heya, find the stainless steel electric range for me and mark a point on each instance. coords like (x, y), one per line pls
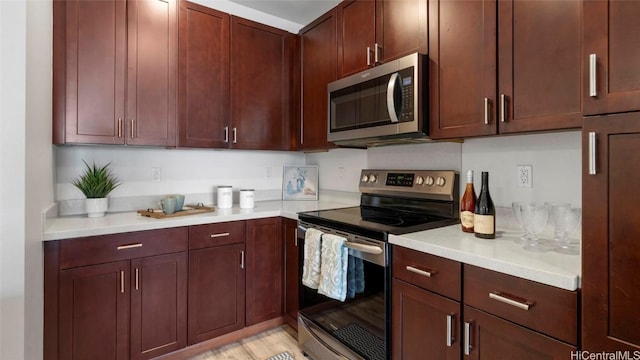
(392, 202)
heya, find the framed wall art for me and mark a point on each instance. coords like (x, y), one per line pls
(300, 182)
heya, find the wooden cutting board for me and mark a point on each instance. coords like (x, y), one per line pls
(186, 210)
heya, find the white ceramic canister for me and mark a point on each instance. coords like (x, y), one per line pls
(225, 197)
(247, 199)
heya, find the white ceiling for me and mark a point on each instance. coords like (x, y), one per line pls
(298, 11)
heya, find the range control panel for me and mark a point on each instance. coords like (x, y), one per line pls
(433, 184)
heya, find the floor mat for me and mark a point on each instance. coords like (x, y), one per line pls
(364, 342)
(282, 356)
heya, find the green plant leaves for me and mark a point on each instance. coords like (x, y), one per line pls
(96, 182)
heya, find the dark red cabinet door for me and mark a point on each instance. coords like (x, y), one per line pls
(356, 36)
(610, 233)
(491, 337)
(419, 324)
(539, 65)
(401, 28)
(203, 85)
(90, 46)
(260, 86)
(94, 312)
(158, 305)
(610, 38)
(319, 56)
(291, 276)
(264, 261)
(152, 73)
(463, 68)
(216, 292)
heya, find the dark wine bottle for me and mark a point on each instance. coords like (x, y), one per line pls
(468, 205)
(484, 217)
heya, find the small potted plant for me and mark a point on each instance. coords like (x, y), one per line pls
(96, 183)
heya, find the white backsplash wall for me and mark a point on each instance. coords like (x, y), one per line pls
(339, 169)
(556, 161)
(193, 172)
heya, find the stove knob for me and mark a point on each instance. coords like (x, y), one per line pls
(440, 181)
(373, 178)
(364, 179)
(419, 180)
(429, 180)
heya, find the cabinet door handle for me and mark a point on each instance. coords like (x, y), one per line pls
(503, 108)
(450, 337)
(119, 127)
(368, 56)
(486, 111)
(295, 242)
(593, 60)
(467, 338)
(137, 279)
(130, 246)
(235, 135)
(592, 153)
(242, 259)
(502, 298)
(219, 235)
(133, 123)
(226, 134)
(376, 53)
(427, 273)
(122, 281)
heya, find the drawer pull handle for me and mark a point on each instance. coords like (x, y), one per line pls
(427, 273)
(506, 300)
(130, 246)
(219, 235)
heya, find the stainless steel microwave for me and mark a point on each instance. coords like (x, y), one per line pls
(387, 103)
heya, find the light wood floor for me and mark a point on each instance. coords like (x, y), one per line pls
(258, 347)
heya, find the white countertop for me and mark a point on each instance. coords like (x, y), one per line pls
(112, 223)
(501, 254)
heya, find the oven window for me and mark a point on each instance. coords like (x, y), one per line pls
(358, 322)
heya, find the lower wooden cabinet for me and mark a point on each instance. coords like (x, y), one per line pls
(128, 308)
(264, 262)
(216, 291)
(291, 275)
(423, 320)
(491, 337)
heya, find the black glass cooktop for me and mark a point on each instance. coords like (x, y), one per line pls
(372, 220)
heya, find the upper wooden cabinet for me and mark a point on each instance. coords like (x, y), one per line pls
(203, 91)
(610, 250)
(372, 32)
(539, 66)
(611, 57)
(319, 55)
(115, 72)
(539, 71)
(260, 86)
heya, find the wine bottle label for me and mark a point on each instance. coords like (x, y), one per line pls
(483, 224)
(466, 218)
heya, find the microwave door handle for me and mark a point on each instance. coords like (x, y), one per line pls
(391, 105)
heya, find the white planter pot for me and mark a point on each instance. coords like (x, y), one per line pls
(96, 207)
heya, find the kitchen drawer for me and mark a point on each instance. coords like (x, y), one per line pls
(544, 308)
(428, 271)
(208, 235)
(107, 248)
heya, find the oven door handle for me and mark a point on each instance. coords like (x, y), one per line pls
(369, 249)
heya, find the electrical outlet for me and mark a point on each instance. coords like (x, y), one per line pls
(341, 172)
(155, 175)
(525, 176)
(268, 172)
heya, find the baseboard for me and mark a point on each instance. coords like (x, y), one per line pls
(225, 339)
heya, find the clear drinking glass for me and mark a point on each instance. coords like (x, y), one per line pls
(518, 209)
(535, 216)
(566, 221)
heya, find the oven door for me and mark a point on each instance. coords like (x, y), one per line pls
(357, 328)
